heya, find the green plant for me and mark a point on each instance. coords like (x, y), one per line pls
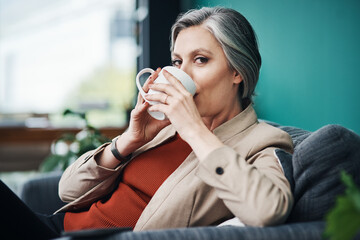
(343, 221)
(66, 149)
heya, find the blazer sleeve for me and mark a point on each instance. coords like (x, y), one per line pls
(85, 176)
(85, 181)
(254, 187)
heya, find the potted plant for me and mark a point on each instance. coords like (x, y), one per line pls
(66, 149)
(343, 221)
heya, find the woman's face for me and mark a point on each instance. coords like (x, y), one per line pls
(199, 54)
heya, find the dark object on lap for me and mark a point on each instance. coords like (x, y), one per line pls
(17, 221)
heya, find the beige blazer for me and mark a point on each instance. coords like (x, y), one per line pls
(242, 179)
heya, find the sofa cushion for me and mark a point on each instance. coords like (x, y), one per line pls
(285, 160)
(297, 134)
(41, 193)
(317, 162)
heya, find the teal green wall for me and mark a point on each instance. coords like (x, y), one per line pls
(310, 51)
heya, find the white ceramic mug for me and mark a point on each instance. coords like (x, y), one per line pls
(185, 79)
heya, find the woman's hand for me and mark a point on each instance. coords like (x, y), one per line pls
(178, 105)
(142, 127)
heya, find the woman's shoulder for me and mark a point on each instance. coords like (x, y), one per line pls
(262, 135)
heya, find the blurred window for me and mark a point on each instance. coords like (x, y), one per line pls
(59, 54)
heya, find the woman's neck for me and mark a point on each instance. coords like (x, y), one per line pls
(212, 122)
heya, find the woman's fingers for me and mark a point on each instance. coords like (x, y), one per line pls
(169, 89)
(141, 105)
(175, 88)
(158, 97)
(175, 82)
(158, 108)
(170, 96)
(151, 79)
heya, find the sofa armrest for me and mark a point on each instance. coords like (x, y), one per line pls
(41, 193)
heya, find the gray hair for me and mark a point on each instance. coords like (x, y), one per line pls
(236, 37)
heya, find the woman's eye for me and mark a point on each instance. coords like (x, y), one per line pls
(201, 60)
(176, 63)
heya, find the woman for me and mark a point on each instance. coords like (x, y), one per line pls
(209, 161)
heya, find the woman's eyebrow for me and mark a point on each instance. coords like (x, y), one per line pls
(175, 55)
(202, 50)
(194, 52)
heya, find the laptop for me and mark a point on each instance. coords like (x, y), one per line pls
(18, 221)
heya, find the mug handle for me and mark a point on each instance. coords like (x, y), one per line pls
(141, 90)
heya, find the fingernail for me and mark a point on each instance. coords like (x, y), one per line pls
(158, 69)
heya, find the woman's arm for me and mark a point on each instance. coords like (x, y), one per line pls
(85, 175)
(125, 146)
(98, 170)
(254, 189)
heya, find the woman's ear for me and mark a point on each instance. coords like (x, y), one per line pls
(237, 78)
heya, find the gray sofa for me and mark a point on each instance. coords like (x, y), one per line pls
(313, 172)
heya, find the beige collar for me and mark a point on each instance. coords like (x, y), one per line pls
(237, 124)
